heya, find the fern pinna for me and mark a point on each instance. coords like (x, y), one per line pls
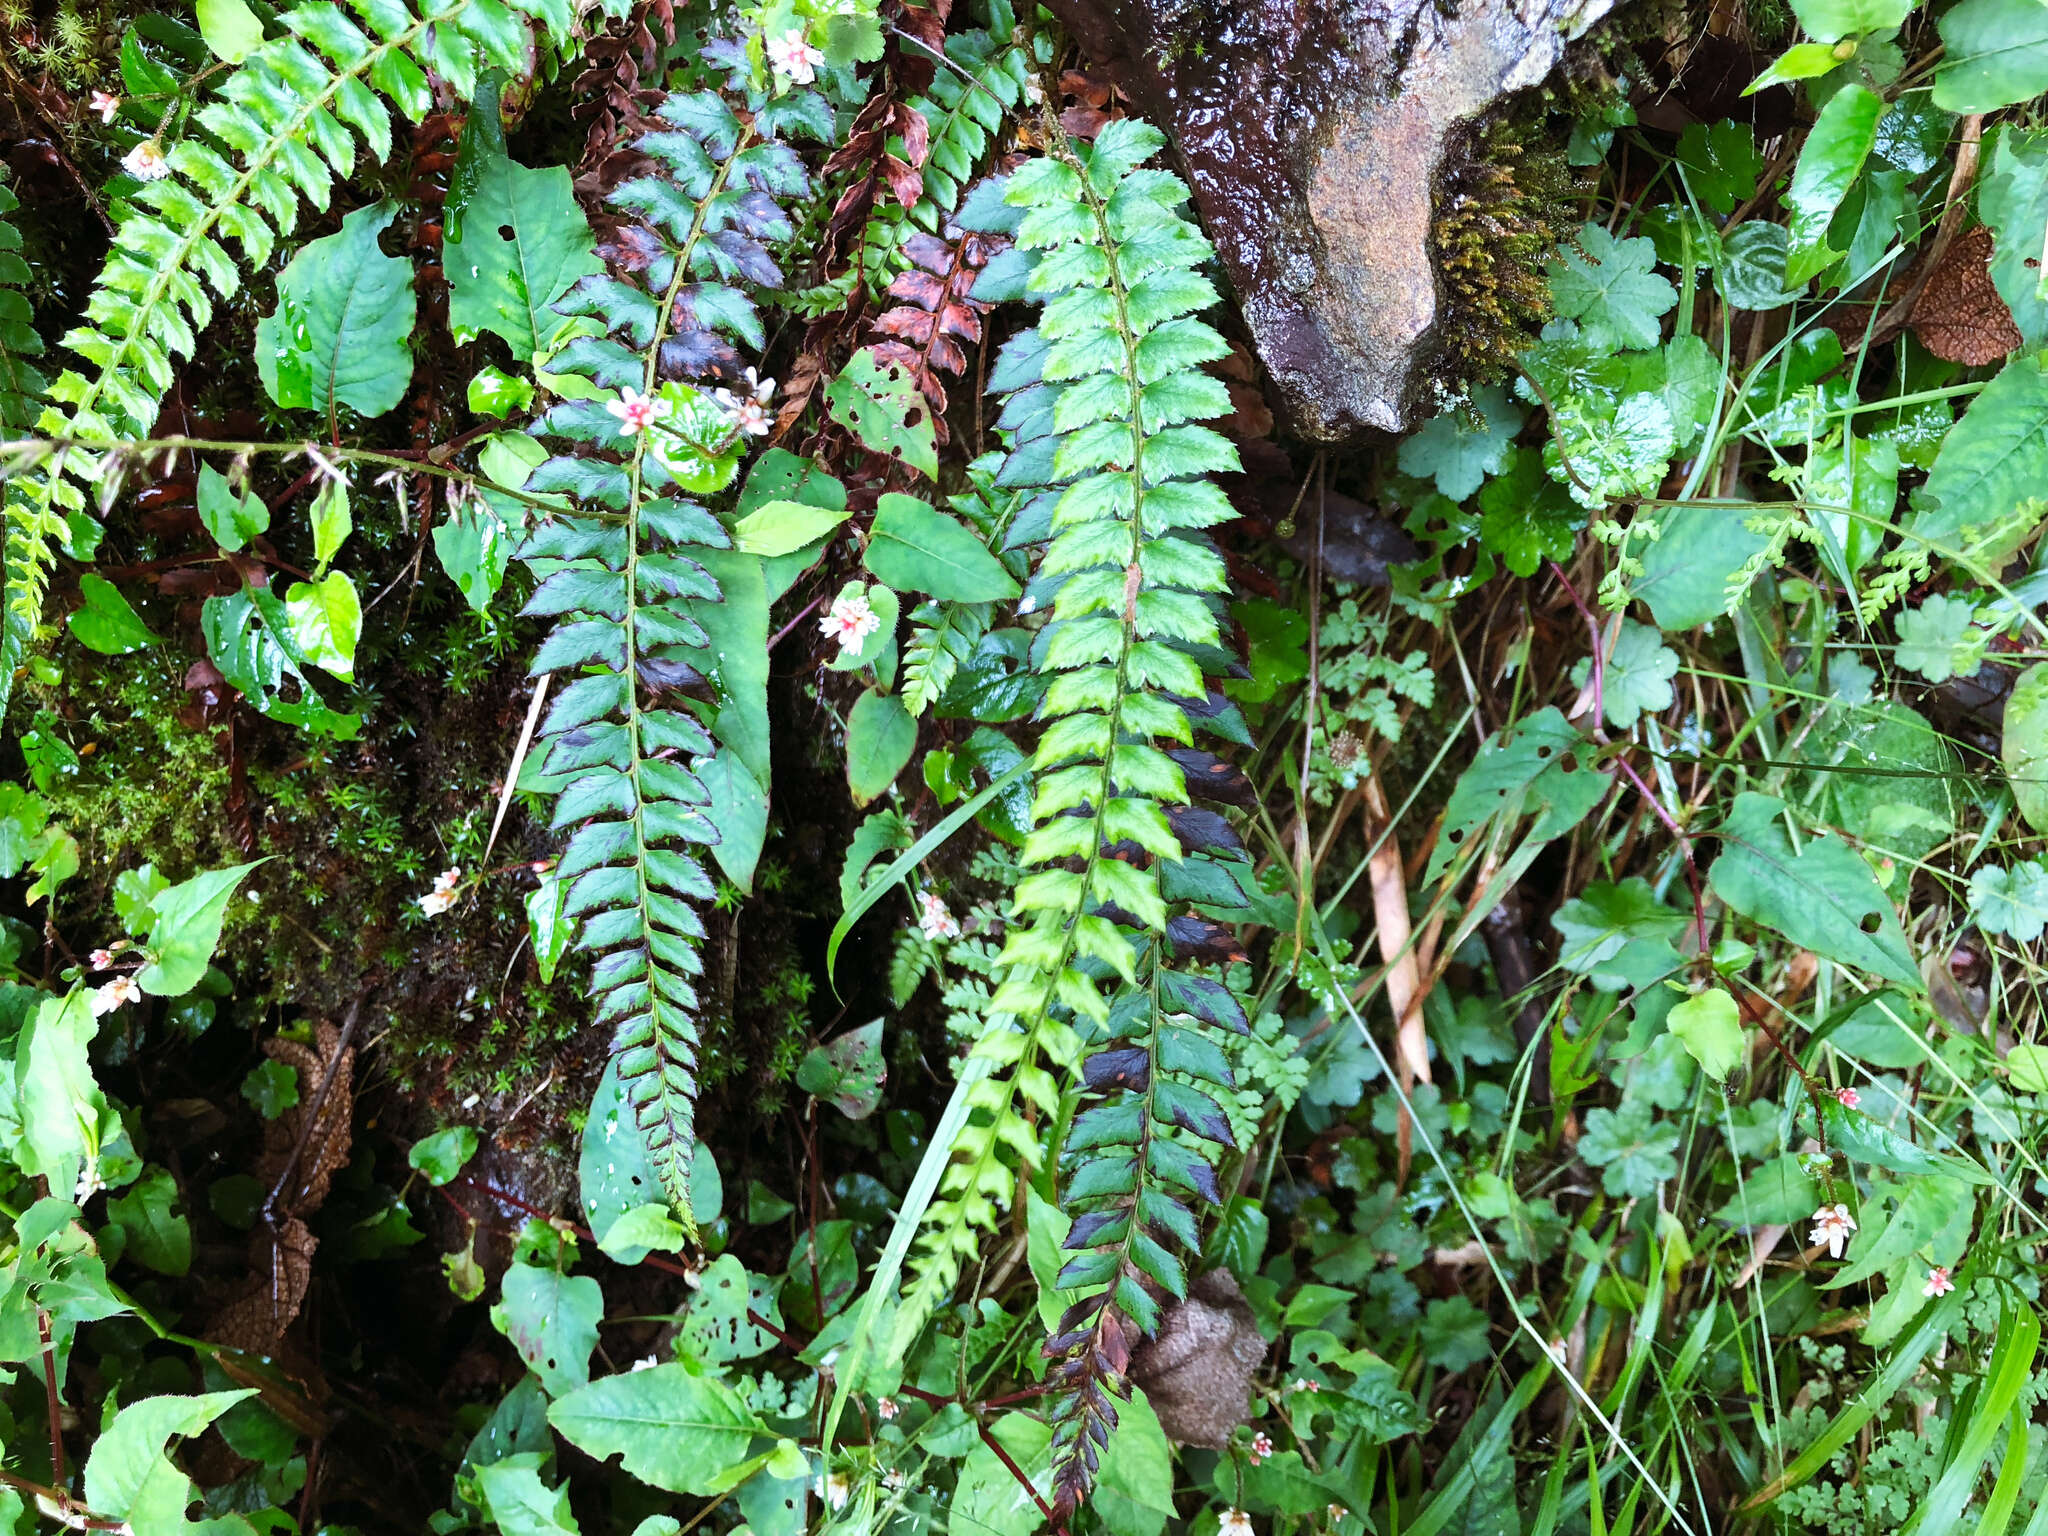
(281, 126)
(1105, 405)
(616, 572)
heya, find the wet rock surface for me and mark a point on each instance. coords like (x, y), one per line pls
(1312, 133)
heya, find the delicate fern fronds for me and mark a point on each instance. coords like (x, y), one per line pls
(942, 636)
(290, 114)
(617, 575)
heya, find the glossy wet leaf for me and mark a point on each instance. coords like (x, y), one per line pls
(523, 244)
(1609, 286)
(232, 517)
(880, 403)
(327, 621)
(880, 736)
(1996, 55)
(551, 1319)
(915, 548)
(107, 623)
(1836, 147)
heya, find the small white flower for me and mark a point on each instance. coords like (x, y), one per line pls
(791, 54)
(1028, 606)
(748, 410)
(1234, 1522)
(850, 620)
(122, 989)
(1262, 1447)
(835, 1489)
(894, 1480)
(1335, 1512)
(636, 411)
(1832, 1225)
(1303, 1384)
(106, 105)
(1848, 1098)
(442, 896)
(89, 1183)
(934, 919)
(1938, 1282)
(647, 1363)
(146, 162)
(886, 1407)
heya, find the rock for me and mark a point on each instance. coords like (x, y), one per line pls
(1312, 132)
(1197, 1371)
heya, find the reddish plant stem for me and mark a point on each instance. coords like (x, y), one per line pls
(57, 1474)
(1017, 1472)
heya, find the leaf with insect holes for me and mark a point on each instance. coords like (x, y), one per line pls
(879, 403)
(849, 1071)
(1819, 893)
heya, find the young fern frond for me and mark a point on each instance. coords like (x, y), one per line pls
(290, 114)
(617, 574)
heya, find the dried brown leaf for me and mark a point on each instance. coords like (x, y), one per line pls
(1959, 316)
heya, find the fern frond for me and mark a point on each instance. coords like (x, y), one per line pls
(281, 127)
(1110, 384)
(21, 386)
(618, 575)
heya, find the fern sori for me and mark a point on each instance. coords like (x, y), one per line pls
(617, 574)
(282, 126)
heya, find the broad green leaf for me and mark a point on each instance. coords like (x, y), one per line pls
(331, 521)
(1992, 465)
(327, 621)
(1868, 1140)
(551, 1319)
(716, 1329)
(1720, 162)
(1134, 1495)
(523, 244)
(1710, 1026)
(107, 623)
(519, 1503)
(1607, 285)
(670, 1427)
(2013, 902)
(913, 548)
(1619, 934)
(739, 809)
(642, 1230)
(135, 893)
(1636, 679)
(988, 1499)
(614, 1172)
(1836, 147)
(58, 1104)
(2025, 750)
(738, 657)
(186, 930)
(494, 392)
(2028, 1065)
(1883, 773)
(1940, 639)
(474, 549)
(1925, 1211)
(158, 1235)
(129, 1478)
(880, 736)
(1820, 895)
(344, 315)
(1851, 490)
(849, 1071)
(230, 28)
(1464, 445)
(880, 404)
(442, 1155)
(1540, 767)
(2013, 200)
(1802, 61)
(1995, 55)
(232, 517)
(1829, 21)
(780, 527)
(1779, 1193)
(547, 927)
(1752, 267)
(1687, 570)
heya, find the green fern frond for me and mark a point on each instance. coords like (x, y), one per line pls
(21, 387)
(617, 573)
(282, 126)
